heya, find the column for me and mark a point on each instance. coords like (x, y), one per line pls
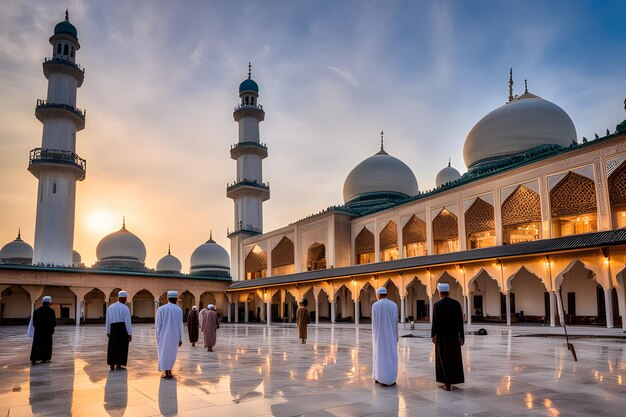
(356, 311)
(230, 316)
(245, 313)
(469, 310)
(559, 304)
(552, 317)
(402, 309)
(262, 312)
(430, 308)
(317, 311)
(609, 308)
(236, 304)
(332, 311)
(289, 311)
(156, 307)
(130, 306)
(78, 311)
(32, 308)
(508, 308)
(269, 313)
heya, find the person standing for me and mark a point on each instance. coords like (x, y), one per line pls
(169, 333)
(448, 336)
(43, 322)
(119, 331)
(210, 324)
(385, 339)
(302, 319)
(192, 325)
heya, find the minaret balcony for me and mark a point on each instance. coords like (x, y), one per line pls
(44, 110)
(42, 158)
(248, 148)
(247, 188)
(60, 65)
(247, 110)
(245, 230)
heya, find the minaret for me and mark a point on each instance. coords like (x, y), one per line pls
(56, 164)
(248, 191)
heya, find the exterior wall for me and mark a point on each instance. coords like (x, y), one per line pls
(143, 306)
(580, 281)
(341, 247)
(249, 130)
(62, 89)
(59, 133)
(529, 294)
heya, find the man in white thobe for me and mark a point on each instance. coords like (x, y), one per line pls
(169, 333)
(385, 339)
(119, 331)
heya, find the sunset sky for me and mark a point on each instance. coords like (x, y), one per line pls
(162, 79)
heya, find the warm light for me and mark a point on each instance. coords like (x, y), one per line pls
(529, 401)
(102, 222)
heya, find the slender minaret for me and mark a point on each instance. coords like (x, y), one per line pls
(55, 164)
(248, 191)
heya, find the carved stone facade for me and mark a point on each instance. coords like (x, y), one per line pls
(364, 242)
(479, 217)
(445, 226)
(617, 186)
(522, 206)
(414, 231)
(283, 253)
(574, 194)
(256, 260)
(389, 236)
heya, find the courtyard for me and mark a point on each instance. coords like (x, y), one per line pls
(257, 370)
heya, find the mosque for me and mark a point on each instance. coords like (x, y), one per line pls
(532, 232)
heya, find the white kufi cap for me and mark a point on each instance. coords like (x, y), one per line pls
(122, 294)
(210, 306)
(443, 287)
(46, 299)
(381, 290)
(172, 294)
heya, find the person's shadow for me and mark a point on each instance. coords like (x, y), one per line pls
(40, 382)
(168, 398)
(116, 393)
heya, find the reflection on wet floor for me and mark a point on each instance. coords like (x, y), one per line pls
(257, 371)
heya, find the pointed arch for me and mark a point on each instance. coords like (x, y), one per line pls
(486, 296)
(389, 242)
(256, 263)
(521, 216)
(283, 257)
(480, 225)
(316, 257)
(143, 304)
(617, 196)
(414, 238)
(573, 205)
(582, 294)
(446, 232)
(364, 247)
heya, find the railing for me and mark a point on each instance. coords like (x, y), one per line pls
(64, 62)
(43, 104)
(256, 184)
(243, 229)
(56, 156)
(258, 107)
(254, 144)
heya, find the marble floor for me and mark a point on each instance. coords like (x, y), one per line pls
(260, 371)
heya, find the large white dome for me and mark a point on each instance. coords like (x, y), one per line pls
(121, 246)
(77, 260)
(379, 173)
(169, 263)
(210, 259)
(446, 175)
(17, 252)
(522, 124)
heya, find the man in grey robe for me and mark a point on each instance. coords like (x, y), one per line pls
(210, 325)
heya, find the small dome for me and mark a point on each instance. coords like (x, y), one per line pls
(77, 260)
(380, 173)
(66, 27)
(210, 259)
(515, 127)
(121, 249)
(169, 263)
(249, 85)
(446, 175)
(17, 252)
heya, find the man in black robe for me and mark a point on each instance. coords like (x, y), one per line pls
(448, 337)
(193, 325)
(43, 322)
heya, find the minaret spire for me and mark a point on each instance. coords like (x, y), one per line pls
(169, 248)
(249, 70)
(510, 84)
(382, 140)
(449, 161)
(67, 15)
(19, 234)
(525, 86)
(124, 222)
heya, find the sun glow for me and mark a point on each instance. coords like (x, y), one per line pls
(102, 222)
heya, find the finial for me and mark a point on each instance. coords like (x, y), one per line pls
(19, 234)
(211, 234)
(67, 15)
(123, 222)
(382, 141)
(449, 161)
(169, 248)
(510, 84)
(249, 70)
(525, 86)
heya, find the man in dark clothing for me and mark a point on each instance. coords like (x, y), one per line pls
(448, 337)
(43, 323)
(193, 325)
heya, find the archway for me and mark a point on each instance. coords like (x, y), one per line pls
(95, 306)
(63, 303)
(530, 300)
(486, 297)
(573, 205)
(15, 308)
(393, 294)
(414, 238)
(187, 301)
(316, 257)
(142, 308)
(283, 257)
(480, 225)
(344, 304)
(445, 232)
(256, 263)
(583, 298)
(417, 301)
(521, 216)
(366, 299)
(389, 242)
(206, 298)
(456, 291)
(364, 247)
(324, 305)
(617, 196)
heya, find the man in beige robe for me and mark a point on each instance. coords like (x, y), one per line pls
(209, 327)
(303, 318)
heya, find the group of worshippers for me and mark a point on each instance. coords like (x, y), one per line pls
(208, 321)
(446, 332)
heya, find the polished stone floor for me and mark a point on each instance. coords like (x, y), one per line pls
(256, 371)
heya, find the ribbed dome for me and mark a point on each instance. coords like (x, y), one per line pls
(446, 175)
(121, 246)
(169, 263)
(17, 252)
(522, 124)
(379, 173)
(210, 259)
(77, 260)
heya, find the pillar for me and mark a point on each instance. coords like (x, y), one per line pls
(269, 313)
(230, 316)
(236, 304)
(32, 308)
(290, 312)
(559, 304)
(132, 310)
(508, 308)
(78, 310)
(156, 307)
(356, 311)
(317, 311)
(552, 312)
(262, 311)
(469, 310)
(332, 311)
(402, 309)
(430, 309)
(609, 308)
(245, 312)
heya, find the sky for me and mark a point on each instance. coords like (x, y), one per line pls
(162, 79)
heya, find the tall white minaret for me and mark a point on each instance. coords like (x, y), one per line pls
(248, 191)
(56, 164)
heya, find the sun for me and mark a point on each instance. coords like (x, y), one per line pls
(102, 221)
